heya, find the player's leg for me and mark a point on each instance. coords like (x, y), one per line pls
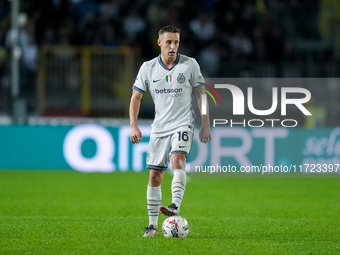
(179, 179)
(154, 199)
(177, 185)
(181, 143)
(157, 162)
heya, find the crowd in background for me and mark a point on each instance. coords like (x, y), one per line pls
(213, 31)
(229, 38)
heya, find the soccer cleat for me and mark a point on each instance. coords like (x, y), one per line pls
(169, 210)
(150, 231)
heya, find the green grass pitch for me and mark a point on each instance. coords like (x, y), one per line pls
(60, 212)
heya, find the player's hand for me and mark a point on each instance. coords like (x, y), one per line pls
(135, 135)
(204, 135)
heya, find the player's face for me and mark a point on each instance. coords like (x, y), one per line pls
(169, 43)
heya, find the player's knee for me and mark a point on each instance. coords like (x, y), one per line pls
(155, 178)
(178, 161)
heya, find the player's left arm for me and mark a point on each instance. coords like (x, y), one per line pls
(204, 134)
(135, 133)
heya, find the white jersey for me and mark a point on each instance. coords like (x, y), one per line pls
(171, 91)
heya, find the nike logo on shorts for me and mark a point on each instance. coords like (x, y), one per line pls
(182, 146)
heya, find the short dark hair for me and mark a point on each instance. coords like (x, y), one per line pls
(170, 29)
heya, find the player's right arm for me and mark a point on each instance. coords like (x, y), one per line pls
(135, 133)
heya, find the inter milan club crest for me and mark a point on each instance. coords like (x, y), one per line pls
(181, 78)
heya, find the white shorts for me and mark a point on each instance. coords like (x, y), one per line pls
(161, 148)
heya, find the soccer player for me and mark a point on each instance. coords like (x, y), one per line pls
(170, 78)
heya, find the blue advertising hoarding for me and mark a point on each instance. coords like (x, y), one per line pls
(95, 148)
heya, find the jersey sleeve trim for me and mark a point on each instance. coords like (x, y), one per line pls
(138, 89)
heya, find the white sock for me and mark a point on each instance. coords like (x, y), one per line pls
(178, 187)
(154, 199)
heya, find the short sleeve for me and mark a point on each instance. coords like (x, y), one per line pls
(141, 82)
(197, 78)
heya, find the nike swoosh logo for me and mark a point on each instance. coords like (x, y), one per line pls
(182, 146)
(156, 80)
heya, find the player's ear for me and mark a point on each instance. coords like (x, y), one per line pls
(159, 42)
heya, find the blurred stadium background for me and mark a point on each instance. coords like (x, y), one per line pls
(79, 58)
(66, 72)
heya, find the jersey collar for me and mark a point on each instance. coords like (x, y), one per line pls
(161, 63)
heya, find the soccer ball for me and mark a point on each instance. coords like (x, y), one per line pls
(175, 226)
